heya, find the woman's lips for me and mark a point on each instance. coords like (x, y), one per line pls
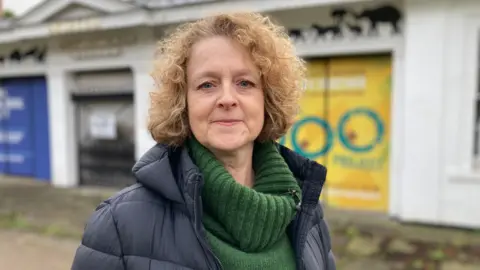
(227, 122)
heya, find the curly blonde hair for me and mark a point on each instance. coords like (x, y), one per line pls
(283, 73)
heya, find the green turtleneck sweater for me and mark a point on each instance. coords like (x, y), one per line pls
(246, 227)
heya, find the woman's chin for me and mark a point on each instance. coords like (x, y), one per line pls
(228, 143)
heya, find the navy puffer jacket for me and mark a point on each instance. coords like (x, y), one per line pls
(156, 224)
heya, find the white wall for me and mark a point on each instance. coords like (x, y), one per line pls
(439, 84)
(460, 188)
(61, 65)
(143, 86)
(63, 150)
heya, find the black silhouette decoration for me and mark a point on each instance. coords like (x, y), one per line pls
(296, 34)
(355, 29)
(384, 14)
(339, 14)
(17, 55)
(322, 31)
(37, 53)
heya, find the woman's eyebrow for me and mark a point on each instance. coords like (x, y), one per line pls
(212, 73)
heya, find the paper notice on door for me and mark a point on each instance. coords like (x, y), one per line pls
(103, 125)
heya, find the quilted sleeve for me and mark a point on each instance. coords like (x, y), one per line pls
(100, 248)
(331, 264)
(324, 238)
(325, 232)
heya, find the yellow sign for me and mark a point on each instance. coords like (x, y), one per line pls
(344, 124)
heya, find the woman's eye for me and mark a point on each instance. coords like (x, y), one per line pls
(245, 84)
(206, 85)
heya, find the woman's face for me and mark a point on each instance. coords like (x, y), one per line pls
(225, 98)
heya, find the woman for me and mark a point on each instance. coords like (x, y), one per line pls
(217, 192)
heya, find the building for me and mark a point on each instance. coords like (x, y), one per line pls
(391, 105)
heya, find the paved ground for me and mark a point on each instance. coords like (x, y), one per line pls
(29, 251)
(40, 229)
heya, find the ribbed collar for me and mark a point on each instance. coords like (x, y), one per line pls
(251, 219)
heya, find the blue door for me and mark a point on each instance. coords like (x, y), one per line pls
(24, 137)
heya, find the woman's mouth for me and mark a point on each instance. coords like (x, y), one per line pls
(227, 122)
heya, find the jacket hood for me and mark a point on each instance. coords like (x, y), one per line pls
(166, 171)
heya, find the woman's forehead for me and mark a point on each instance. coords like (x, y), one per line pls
(218, 55)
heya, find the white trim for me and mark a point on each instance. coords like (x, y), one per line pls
(143, 85)
(99, 65)
(22, 71)
(348, 47)
(397, 141)
(44, 10)
(107, 5)
(193, 12)
(137, 17)
(63, 138)
(471, 56)
(462, 176)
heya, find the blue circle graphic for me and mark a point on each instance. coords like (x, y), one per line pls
(362, 148)
(319, 122)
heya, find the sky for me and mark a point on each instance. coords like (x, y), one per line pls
(19, 6)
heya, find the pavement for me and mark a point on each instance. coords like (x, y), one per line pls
(31, 251)
(41, 226)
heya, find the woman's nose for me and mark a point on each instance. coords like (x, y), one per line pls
(227, 97)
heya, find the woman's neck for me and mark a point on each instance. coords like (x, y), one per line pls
(239, 165)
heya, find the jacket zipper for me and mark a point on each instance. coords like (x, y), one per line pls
(296, 199)
(299, 224)
(202, 239)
